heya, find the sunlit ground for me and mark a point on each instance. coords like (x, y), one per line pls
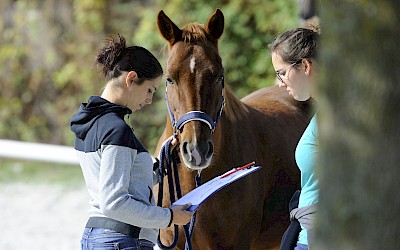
(42, 205)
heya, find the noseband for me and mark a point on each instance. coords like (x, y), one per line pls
(193, 116)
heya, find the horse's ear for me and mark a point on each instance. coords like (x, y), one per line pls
(168, 29)
(215, 25)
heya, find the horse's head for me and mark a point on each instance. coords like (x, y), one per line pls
(194, 85)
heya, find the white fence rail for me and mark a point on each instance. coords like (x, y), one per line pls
(37, 152)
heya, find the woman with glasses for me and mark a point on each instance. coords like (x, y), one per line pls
(294, 59)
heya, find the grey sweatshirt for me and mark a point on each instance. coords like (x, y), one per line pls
(117, 169)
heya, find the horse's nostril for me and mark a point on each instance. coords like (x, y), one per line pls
(184, 147)
(210, 149)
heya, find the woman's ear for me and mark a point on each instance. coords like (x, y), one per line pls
(131, 78)
(307, 66)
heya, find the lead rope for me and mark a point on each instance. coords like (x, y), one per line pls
(167, 170)
(189, 233)
(162, 172)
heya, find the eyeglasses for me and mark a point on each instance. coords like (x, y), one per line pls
(282, 72)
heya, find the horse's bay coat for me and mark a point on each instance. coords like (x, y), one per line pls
(264, 127)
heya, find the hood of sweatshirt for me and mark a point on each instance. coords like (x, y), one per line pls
(89, 112)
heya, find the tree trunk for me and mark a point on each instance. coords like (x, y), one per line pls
(359, 125)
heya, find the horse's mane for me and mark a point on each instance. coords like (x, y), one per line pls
(194, 32)
(234, 109)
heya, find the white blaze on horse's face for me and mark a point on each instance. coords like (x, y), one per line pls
(194, 157)
(192, 64)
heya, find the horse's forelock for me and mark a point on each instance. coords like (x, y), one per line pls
(193, 33)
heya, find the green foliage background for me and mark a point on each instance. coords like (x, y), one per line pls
(47, 51)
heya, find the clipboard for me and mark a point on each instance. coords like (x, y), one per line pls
(198, 195)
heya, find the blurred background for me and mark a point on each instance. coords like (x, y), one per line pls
(47, 51)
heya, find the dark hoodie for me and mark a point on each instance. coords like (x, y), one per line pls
(89, 112)
(105, 115)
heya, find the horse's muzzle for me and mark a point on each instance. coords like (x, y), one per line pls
(197, 156)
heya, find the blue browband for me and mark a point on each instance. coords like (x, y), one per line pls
(193, 116)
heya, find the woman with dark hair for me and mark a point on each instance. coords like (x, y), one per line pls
(294, 55)
(117, 169)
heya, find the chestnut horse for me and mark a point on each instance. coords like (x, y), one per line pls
(251, 213)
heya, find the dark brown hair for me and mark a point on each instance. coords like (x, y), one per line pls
(115, 57)
(295, 44)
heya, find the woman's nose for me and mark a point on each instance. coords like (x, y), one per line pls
(281, 84)
(149, 99)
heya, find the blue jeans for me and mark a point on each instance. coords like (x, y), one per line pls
(105, 239)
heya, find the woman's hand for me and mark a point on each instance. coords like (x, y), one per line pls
(180, 216)
(174, 143)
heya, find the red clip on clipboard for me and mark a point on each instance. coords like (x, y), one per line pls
(201, 193)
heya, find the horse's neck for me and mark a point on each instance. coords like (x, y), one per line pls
(229, 137)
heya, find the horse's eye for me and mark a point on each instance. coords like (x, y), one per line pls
(169, 80)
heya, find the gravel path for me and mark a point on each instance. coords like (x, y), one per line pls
(42, 216)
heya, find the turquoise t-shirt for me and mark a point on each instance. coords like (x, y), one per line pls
(306, 153)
